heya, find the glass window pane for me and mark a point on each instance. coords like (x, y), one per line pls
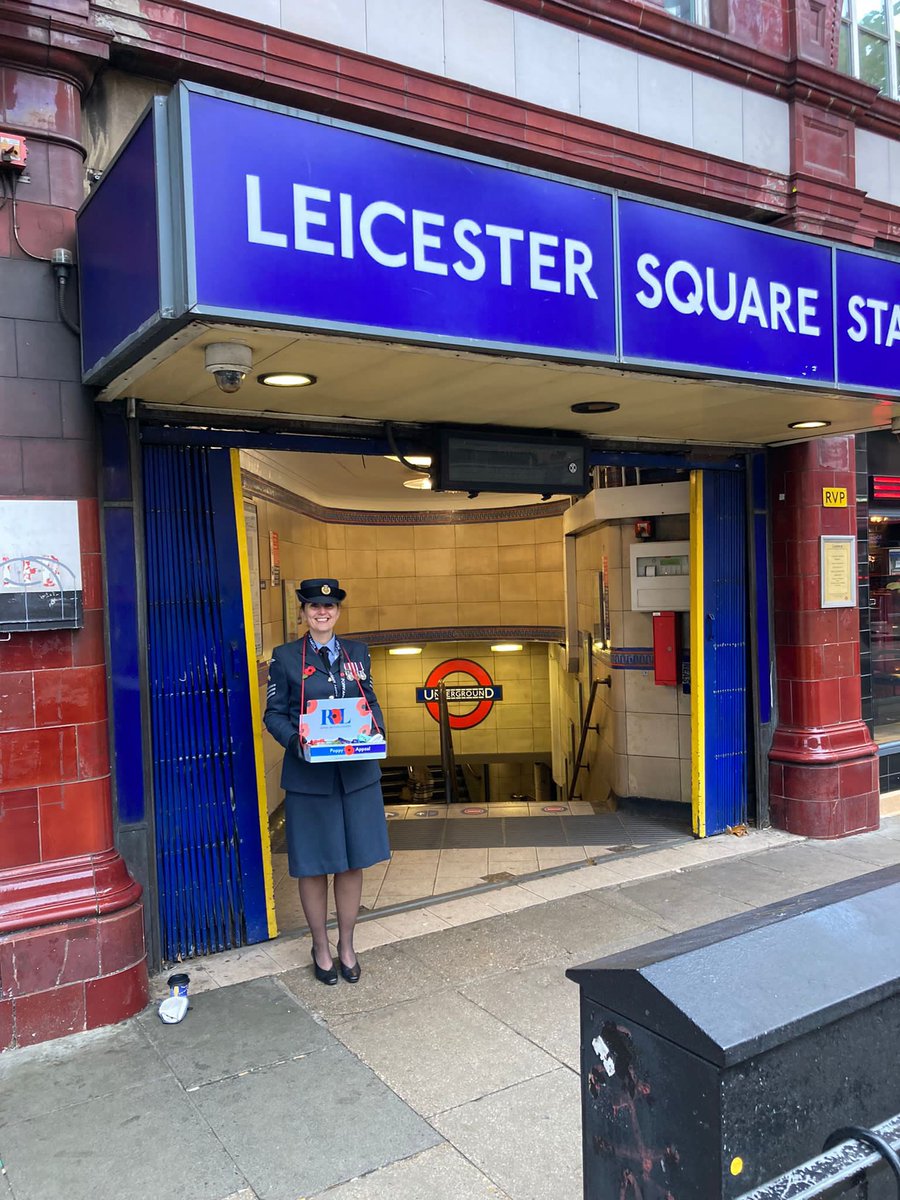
(844, 63)
(684, 9)
(896, 13)
(884, 622)
(845, 10)
(873, 61)
(871, 15)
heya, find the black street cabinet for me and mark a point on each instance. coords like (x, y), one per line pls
(715, 1060)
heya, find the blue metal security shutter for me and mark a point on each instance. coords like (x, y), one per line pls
(209, 849)
(725, 649)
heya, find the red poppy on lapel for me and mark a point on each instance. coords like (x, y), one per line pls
(307, 671)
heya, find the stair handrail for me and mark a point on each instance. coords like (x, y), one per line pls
(585, 727)
(448, 758)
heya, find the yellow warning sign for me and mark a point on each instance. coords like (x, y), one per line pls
(834, 497)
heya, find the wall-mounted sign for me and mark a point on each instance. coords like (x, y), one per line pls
(40, 566)
(483, 693)
(834, 497)
(337, 227)
(838, 571)
(274, 558)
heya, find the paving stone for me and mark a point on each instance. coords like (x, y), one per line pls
(232, 1029)
(390, 975)
(82, 1067)
(874, 848)
(746, 880)
(443, 1053)
(527, 1139)
(811, 865)
(482, 948)
(590, 925)
(303, 1126)
(678, 902)
(538, 1002)
(131, 1144)
(439, 1174)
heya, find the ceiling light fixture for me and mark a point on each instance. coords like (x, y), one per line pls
(808, 424)
(506, 647)
(285, 379)
(595, 406)
(405, 650)
(419, 484)
(415, 460)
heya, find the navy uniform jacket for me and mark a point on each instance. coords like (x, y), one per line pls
(282, 716)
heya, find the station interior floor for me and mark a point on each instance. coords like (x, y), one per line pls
(461, 849)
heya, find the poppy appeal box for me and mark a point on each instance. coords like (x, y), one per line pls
(339, 729)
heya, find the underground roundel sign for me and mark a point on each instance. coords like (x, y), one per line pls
(482, 692)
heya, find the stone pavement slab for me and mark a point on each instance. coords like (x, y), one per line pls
(233, 1029)
(748, 880)
(304, 1125)
(132, 1144)
(590, 924)
(527, 1139)
(678, 902)
(467, 952)
(86, 1068)
(537, 1002)
(443, 1053)
(438, 1174)
(878, 849)
(390, 976)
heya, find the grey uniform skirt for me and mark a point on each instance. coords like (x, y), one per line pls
(343, 831)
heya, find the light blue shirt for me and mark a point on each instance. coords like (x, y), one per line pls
(333, 647)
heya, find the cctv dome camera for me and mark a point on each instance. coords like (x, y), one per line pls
(228, 362)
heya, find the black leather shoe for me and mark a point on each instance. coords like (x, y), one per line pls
(351, 974)
(328, 976)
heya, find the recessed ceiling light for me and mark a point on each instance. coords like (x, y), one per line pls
(405, 650)
(285, 379)
(420, 483)
(595, 406)
(506, 647)
(808, 424)
(415, 460)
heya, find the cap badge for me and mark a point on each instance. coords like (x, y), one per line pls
(326, 589)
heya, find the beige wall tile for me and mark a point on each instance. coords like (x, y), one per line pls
(478, 613)
(518, 587)
(516, 533)
(548, 529)
(518, 741)
(436, 562)
(480, 740)
(432, 616)
(435, 589)
(394, 537)
(517, 558)
(360, 617)
(518, 613)
(335, 536)
(550, 612)
(644, 695)
(400, 669)
(476, 534)
(406, 720)
(474, 560)
(434, 537)
(477, 589)
(654, 778)
(651, 735)
(400, 744)
(548, 556)
(359, 537)
(514, 666)
(397, 616)
(514, 716)
(396, 564)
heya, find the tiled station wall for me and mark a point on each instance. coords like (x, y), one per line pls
(643, 748)
(414, 576)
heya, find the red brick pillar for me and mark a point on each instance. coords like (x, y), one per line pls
(72, 952)
(823, 765)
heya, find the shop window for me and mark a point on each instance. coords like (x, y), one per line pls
(869, 44)
(884, 621)
(695, 11)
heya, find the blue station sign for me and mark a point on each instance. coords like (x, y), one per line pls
(230, 209)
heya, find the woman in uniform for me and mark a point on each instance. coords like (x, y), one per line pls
(334, 811)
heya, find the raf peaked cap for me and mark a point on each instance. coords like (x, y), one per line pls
(320, 591)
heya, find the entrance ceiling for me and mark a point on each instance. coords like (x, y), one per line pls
(370, 380)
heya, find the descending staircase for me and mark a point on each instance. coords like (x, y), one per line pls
(398, 788)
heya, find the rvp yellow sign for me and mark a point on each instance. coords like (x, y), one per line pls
(834, 497)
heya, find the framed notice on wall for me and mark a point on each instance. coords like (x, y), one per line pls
(838, 570)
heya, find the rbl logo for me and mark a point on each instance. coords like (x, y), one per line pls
(334, 716)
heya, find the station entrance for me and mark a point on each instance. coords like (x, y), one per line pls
(580, 749)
